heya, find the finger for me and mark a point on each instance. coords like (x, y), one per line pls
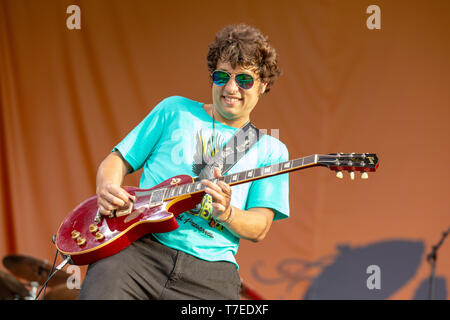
(105, 212)
(130, 197)
(111, 199)
(217, 196)
(217, 172)
(225, 187)
(120, 193)
(105, 209)
(105, 205)
(211, 185)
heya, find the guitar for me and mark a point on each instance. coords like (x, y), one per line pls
(87, 236)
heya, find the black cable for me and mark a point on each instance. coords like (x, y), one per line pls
(51, 271)
(59, 267)
(50, 275)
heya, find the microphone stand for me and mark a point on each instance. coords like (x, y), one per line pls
(431, 258)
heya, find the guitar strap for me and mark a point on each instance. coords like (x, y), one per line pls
(234, 150)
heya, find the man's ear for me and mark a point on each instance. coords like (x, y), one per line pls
(263, 88)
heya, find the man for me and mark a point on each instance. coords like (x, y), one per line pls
(197, 260)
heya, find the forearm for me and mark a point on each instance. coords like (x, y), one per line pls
(110, 176)
(250, 224)
(112, 170)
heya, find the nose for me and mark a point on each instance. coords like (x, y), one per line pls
(231, 86)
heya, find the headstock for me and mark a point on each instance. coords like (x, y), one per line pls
(351, 162)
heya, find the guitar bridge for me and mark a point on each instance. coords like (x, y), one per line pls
(124, 212)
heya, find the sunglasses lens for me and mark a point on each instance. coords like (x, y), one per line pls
(245, 81)
(220, 78)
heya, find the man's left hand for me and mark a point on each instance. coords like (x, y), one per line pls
(221, 194)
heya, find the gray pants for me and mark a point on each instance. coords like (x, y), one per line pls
(148, 269)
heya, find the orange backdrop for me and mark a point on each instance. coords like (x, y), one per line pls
(68, 96)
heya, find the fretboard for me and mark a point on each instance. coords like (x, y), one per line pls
(167, 193)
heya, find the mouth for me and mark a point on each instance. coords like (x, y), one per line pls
(231, 100)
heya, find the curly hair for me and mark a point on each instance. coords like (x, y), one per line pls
(245, 46)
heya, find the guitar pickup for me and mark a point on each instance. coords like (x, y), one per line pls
(156, 198)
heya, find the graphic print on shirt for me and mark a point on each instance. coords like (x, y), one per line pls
(205, 149)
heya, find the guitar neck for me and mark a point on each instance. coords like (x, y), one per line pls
(363, 162)
(271, 170)
(233, 179)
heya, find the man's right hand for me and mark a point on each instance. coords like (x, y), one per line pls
(111, 197)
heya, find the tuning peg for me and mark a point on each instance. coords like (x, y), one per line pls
(339, 175)
(352, 175)
(364, 175)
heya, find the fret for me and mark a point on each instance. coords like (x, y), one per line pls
(274, 168)
(198, 186)
(286, 165)
(181, 189)
(298, 162)
(309, 160)
(228, 179)
(279, 167)
(257, 172)
(242, 176)
(267, 170)
(189, 187)
(171, 192)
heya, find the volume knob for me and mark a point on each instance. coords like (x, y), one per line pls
(75, 234)
(81, 241)
(99, 236)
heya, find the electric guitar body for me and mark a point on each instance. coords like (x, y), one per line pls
(87, 237)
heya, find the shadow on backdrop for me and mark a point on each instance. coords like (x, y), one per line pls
(370, 272)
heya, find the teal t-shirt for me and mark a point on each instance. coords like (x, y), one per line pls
(173, 139)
